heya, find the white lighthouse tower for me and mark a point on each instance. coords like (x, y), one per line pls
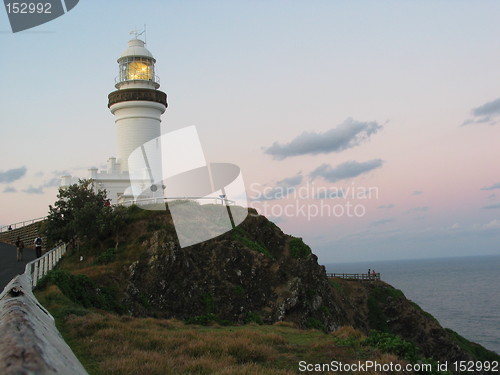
(137, 105)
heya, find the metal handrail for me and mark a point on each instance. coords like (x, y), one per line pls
(216, 200)
(39, 267)
(354, 276)
(5, 228)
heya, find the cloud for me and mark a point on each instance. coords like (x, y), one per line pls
(494, 224)
(12, 175)
(491, 206)
(10, 189)
(386, 206)
(33, 190)
(53, 182)
(282, 189)
(345, 170)
(485, 114)
(419, 209)
(330, 194)
(417, 192)
(349, 134)
(290, 181)
(492, 187)
(381, 221)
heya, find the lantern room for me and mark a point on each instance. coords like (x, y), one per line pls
(137, 67)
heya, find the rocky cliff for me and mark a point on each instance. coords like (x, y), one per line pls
(255, 272)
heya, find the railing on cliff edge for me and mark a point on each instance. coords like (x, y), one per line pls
(215, 200)
(354, 276)
(31, 343)
(20, 224)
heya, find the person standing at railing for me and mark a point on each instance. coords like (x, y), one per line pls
(38, 245)
(19, 248)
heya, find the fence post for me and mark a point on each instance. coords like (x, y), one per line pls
(35, 274)
(49, 265)
(41, 268)
(46, 265)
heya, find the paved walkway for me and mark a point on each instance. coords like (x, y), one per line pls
(9, 266)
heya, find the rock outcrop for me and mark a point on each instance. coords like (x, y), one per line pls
(255, 272)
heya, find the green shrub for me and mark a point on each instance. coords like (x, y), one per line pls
(208, 301)
(202, 320)
(298, 249)
(253, 317)
(376, 316)
(391, 343)
(106, 256)
(240, 235)
(239, 290)
(314, 323)
(82, 290)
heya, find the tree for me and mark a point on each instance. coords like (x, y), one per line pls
(81, 213)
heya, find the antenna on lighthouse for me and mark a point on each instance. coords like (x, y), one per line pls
(138, 32)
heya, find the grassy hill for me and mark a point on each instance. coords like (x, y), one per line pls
(252, 301)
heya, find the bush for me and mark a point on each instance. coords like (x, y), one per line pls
(314, 323)
(391, 343)
(253, 317)
(107, 256)
(298, 249)
(82, 290)
(240, 235)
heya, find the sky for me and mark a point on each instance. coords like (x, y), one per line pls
(369, 129)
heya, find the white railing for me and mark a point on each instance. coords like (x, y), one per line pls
(145, 201)
(33, 343)
(41, 266)
(20, 224)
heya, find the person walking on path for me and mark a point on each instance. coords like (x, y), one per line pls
(19, 248)
(38, 246)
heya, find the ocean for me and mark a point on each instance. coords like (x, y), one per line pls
(461, 293)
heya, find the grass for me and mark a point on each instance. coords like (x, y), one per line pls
(298, 249)
(111, 344)
(239, 234)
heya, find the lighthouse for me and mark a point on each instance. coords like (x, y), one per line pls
(137, 104)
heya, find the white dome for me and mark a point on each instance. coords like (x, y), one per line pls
(136, 48)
